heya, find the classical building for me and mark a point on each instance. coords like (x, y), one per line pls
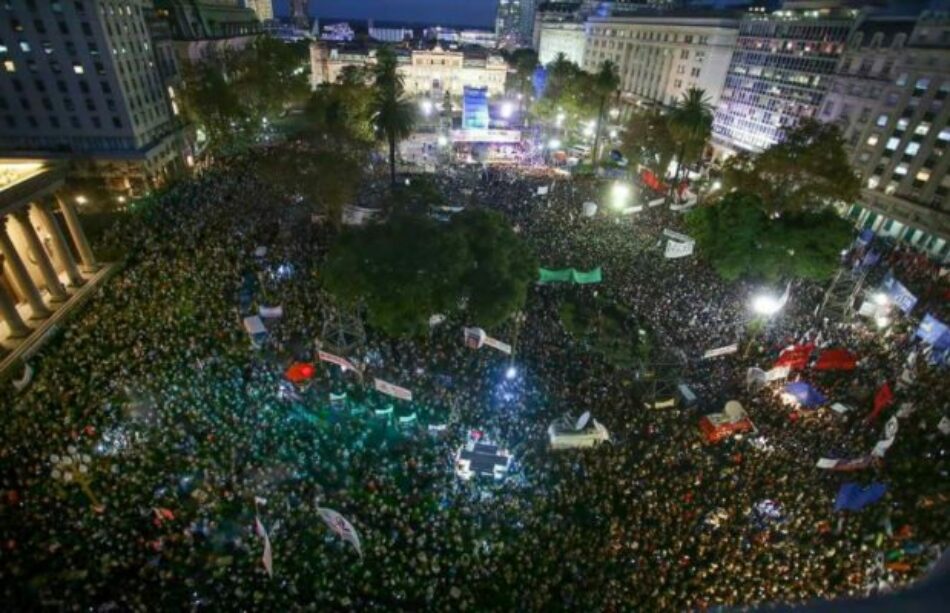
(891, 97)
(264, 9)
(45, 259)
(203, 27)
(780, 71)
(94, 82)
(660, 56)
(425, 71)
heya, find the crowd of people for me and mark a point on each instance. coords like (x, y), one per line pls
(155, 432)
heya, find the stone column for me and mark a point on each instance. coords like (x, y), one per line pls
(20, 275)
(78, 235)
(60, 246)
(56, 289)
(15, 323)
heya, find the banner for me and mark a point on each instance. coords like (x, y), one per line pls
(270, 312)
(805, 395)
(339, 361)
(682, 238)
(844, 465)
(392, 390)
(676, 249)
(899, 294)
(497, 344)
(408, 419)
(934, 332)
(473, 338)
(795, 357)
(853, 497)
(343, 528)
(567, 275)
(882, 398)
(836, 359)
(715, 353)
(268, 557)
(890, 433)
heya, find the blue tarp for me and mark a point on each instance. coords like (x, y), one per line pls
(899, 294)
(805, 394)
(853, 497)
(934, 332)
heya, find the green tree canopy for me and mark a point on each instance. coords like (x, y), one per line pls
(647, 140)
(809, 170)
(412, 267)
(605, 84)
(740, 239)
(569, 90)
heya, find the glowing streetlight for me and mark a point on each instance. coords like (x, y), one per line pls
(882, 322)
(613, 134)
(426, 106)
(619, 194)
(511, 373)
(614, 113)
(81, 199)
(442, 140)
(766, 305)
(559, 119)
(507, 110)
(554, 143)
(717, 185)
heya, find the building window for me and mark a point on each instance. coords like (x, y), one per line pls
(901, 170)
(892, 143)
(912, 149)
(9, 66)
(872, 140)
(922, 129)
(923, 175)
(78, 69)
(684, 54)
(24, 46)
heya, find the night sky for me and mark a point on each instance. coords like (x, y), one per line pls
(463, 12)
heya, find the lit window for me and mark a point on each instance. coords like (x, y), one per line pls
(882, 120)
(3, 48)
(912, 149)
(922, 84)
(922, 129)
(24, 46)
(78, 69)
(873, 182)
(891, 188)
(902, 123)
(923, 175)
(901, 170)
(9, 66)
(872, 140)
(944, 134)
(892, 143)
(902, 80)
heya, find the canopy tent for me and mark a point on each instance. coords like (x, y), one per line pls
(805, 395)
(836, 359)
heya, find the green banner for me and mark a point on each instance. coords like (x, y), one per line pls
(569, 275)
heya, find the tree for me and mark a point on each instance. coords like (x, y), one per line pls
(809, 170)
(268, 77)
(741, 240)
(568, 90)
(690, 125)
(605, 84)
(412, 267)
(210, 103)
(647, 140)
(524, 61)
(392, 114)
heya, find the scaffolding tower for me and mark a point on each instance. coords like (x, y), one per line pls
(842, 294)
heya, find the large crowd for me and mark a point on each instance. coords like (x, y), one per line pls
(154, 432)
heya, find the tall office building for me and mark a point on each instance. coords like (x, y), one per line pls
(203, 27)
(264, 9)
(780, 71)
(298, 14)
(93, 81)
(891, 97)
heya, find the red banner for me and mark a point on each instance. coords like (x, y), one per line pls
(836, 359)
(795, 357)
(882, 399)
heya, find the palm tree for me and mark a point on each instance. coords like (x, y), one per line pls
(690, 124)
(605, 83)
(392, 114)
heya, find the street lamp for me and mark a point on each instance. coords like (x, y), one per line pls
(619, 194)
(554, 143)
(442, 140)
(81, 199)
(426, 106)
(511, 373)
(766, 305)
(507, 109)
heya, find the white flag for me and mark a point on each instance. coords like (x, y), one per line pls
(21, 383)
(268, 557)
(779, 372)
(714, 353)
(890, 432)
(270, 312)
(392, 390)
(341, 527)
(339, 361)
(675, 249)
(677, 236)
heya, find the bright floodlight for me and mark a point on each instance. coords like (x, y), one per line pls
(511, 373)
(882, 322)
(619, 194)
(717, 185)
(426, 106)
(443, 141)
(766, 305)
(81, 199)
(560, 118)
(507, 110)
(554, 143)
(880, 299)
(613, 134)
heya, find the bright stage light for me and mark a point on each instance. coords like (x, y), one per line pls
(511, 373)
(554, 143)
(507, 110)
(426, 106)
(882, 322)
(766, 305)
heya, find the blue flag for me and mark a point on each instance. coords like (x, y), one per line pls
(899, 294)
(805, 394)
(934, 332)
(853, 497)
(866, 236)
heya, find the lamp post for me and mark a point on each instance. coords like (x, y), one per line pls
(764, 307)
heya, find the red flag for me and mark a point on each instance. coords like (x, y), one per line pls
(795, 357)
(300, 372)
(836, 359)
(882, 398)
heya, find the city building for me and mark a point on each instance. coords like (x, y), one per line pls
(432, 71)
(41, 238)
(298, 14)
(566, 38)
(891, 97)
(264, 9)
(93, 82)
(780, 71)
(480, 38)
(555, 12)
(201, 28)
(338, 32)
(514, 22)
(389, 34)
(659, 56)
